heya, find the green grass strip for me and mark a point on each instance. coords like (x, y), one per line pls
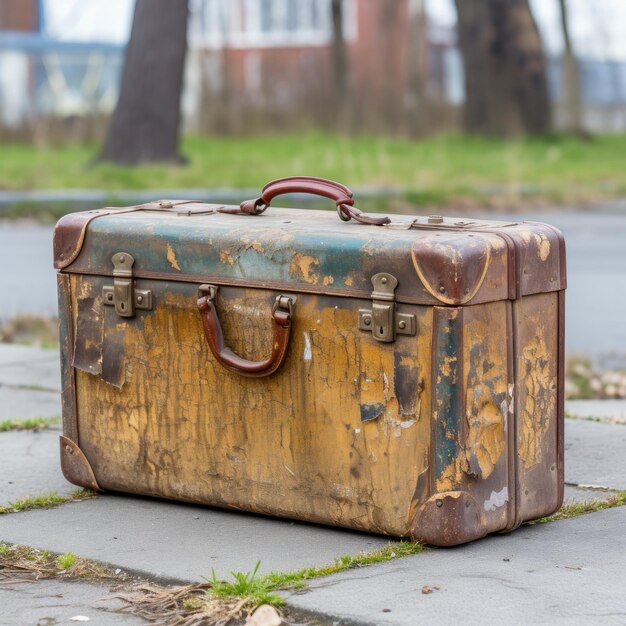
(575, 509)
(433, 170)
(34, 423)
(46, 501)
(261, 589)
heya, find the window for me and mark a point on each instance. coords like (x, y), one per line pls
(266, 23)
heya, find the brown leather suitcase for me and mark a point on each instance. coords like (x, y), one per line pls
(401, 375)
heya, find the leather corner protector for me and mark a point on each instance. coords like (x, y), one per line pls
(447, 519)
(452, 267)
(69, 235)
(75, 466)
(70, 230)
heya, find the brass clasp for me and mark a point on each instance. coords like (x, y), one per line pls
(122, 294)
(382, 320)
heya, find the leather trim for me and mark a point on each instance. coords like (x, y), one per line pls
(75, 466)
(70, 230)
(451, 274)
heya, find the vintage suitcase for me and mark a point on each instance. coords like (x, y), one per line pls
(398, 375)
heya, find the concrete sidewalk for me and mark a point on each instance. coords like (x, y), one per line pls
(568, 571)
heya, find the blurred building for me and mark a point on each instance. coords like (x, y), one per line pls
(272, 62)
(43, 78)
(261, 64)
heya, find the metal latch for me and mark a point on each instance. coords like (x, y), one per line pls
(382, 320)
(122, 294)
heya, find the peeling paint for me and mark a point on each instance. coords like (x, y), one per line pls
(543, 246)
(305, 267)
(171, 257)
(539, 404)
(485, 390)
(497, 499)
(227, 258)
(308, 354)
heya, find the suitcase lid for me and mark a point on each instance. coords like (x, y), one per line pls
(437, 261)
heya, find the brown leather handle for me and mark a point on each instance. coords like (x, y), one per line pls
(316, 186)
(282, 312)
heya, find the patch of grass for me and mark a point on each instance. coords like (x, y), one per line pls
(582, 508)
(284, 580)
(66, 560)
(246, 585)
(33, 423)
(26, 561)
(436, 170)
(46, 501)
(260, 589)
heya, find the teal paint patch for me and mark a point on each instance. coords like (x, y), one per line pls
(448, 417)
(308, 254)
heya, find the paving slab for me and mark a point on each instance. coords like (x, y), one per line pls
(29, 465)
(29, 367)
(11, 353)
(48, 602)
(16, 403)
(178, 542)
(572, 571)
(26, 249)
(613, 410)
(595, 454)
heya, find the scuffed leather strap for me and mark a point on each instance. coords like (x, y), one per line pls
(316, 186)
(227, 358)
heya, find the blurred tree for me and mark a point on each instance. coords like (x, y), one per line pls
(340, 68)
(144, 127)
(505, 69)
(571, 84)
(417, 68)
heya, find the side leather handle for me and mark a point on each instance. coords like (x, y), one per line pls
(281, 313)
(315, 186)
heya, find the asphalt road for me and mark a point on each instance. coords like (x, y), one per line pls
(596, 295)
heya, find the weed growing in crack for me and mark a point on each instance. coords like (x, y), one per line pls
(245, 585)
(46, 501)
(66, 560)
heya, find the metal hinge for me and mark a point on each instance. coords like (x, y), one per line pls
(122, 294)
(382, 320)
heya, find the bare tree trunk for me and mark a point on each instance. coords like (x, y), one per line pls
(571, 84)
(505, 69)
(417, 68)
(144, 127)
(340, 68)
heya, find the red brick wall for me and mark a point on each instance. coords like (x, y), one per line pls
(297, 83)
(18, 15)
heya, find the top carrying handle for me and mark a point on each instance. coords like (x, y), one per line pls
(316, 186)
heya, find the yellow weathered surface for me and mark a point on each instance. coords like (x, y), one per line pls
(292, 444)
